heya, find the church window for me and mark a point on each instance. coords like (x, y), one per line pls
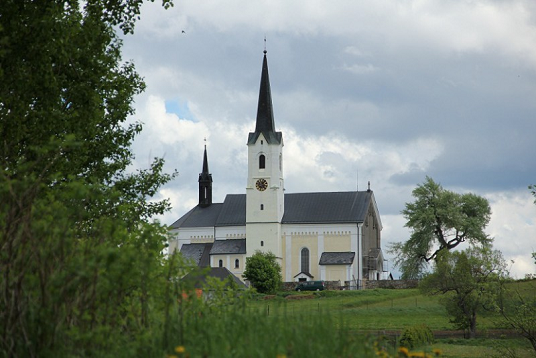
(262, 243)
(236, 263)
(305, 260)
(262, 206)
(262, 161)
(280, 162)
(220, 263)
(262, 142)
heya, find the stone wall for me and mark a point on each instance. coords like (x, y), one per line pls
(330, 285)
(366, 284)
(395, 284)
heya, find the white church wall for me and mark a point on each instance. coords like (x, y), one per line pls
(299, 241)
(336, 273)
(229, 262)
(230, 232)
(265, 237)
(190, 236)
(318, 239)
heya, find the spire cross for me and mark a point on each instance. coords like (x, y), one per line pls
(265, 45)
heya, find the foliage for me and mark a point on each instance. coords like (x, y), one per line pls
(520, 314)
(518, 310)
(470, 281)
(440, 220)
(82, 268)
(235, 330)
(517, 307)
(416, 336)
(263, 271)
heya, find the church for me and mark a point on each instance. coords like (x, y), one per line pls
(331, 236)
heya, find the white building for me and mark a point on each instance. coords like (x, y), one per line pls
(334, 236)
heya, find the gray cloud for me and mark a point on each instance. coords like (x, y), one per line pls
(395, 91)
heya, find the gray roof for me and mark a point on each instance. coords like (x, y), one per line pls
(233, 246)
(321, 208)
(304, 273)
(337, 258)
(221, 273)
(199, 217)
(198, 252)
(300, 208)
(233, 212)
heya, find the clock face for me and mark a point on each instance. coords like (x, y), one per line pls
(261, 184)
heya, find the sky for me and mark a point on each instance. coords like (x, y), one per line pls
(386, 92)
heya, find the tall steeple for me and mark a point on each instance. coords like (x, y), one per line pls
(205, 183)
(265, 202)
(265, 115)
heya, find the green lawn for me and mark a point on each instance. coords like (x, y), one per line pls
(392, 310)
(367, 310)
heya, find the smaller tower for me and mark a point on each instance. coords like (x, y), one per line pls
(205, 183)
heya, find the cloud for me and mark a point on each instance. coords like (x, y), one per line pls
(513, 226)
(387, 91)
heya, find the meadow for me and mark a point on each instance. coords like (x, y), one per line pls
(363, 323)
(386, 313)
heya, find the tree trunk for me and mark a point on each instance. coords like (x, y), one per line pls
(533, 342)
(472, 326)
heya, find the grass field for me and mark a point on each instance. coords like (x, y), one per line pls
(390, 311)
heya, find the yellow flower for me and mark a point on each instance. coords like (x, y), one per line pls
(437, 352)
(180, 349)
(403, 350)
(281, 356)
(419, 354)
(171, 356)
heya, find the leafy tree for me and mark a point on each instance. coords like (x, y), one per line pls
(439, 220)
(263, 271)
(81, 265)
(519, 310)
(470, 281)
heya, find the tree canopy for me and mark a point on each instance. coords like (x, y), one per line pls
(263, 271)
(80, 261)
(470, 281)
(439, 220)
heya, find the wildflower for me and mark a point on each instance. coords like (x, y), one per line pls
(281, 356)
(419, 354)
(180, 349)
(404, 351)
(437, 352)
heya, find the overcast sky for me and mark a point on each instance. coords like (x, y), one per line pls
(385, 91)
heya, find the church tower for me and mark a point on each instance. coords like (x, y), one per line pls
(265, 187)
(205, 184)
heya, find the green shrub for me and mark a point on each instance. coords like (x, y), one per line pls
(416, 336)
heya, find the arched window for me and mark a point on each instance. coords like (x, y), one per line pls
(220, 263)
(262, 206)
(237, 263)
(262, 243)
(305, 260)
(262, 161)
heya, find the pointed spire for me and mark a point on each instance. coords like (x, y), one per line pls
(205, 163)
(265, 118)
(205, 183)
